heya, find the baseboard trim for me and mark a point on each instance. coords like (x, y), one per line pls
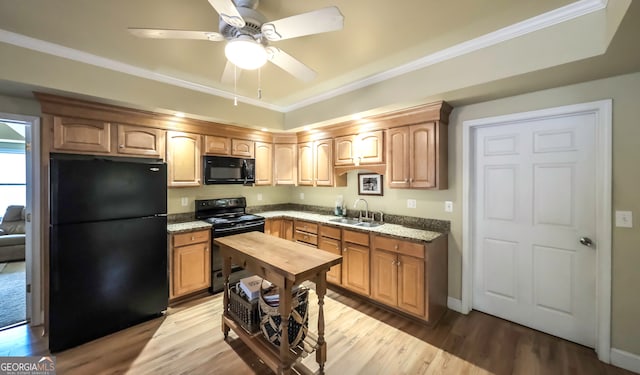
(625, 360)
(455, 305)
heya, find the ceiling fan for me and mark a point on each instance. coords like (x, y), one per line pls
(248, 34)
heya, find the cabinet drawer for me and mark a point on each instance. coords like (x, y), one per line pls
(306, 237)
(330, 245)
(306, 226)
(399, 246)
(331, 232)
(182, 239)
(356, 237)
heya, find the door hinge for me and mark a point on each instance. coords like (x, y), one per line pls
(28, 288)
(27, 147)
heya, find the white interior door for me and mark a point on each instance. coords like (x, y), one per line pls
(533, 201)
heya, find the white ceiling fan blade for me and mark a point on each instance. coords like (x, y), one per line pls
(315, 22)
(228, 12)
(290, 65)
(176, 34)
(230, 71)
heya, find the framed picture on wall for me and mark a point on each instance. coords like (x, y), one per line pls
(369, 184)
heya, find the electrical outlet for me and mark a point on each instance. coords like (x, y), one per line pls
(411, 203)
(448, 206)
(184, 201)
(301, 196)
(259, 196)
(624, 219)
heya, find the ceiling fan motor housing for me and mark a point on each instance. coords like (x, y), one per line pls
(253, 22)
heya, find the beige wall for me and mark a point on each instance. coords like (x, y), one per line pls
(19, 106)
(625, 92)
(270, 195)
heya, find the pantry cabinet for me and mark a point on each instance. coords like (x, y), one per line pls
(190, 262)
(183, 159)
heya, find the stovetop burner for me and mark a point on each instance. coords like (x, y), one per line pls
(225, 212)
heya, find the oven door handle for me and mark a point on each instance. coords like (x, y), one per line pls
(235, 228)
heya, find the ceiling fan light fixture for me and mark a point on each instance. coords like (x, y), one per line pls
(246, 53)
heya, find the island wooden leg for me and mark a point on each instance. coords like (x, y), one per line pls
(285, 312)
(321, 290)
(226, 271)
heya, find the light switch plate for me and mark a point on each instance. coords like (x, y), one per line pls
(259, 196)
(448, 206)
(624, 219)
(184, 201)
(411, 203)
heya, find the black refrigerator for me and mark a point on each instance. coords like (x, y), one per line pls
(107, 247)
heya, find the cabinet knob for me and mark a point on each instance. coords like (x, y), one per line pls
(398, 263)
(406, 180)
(193, 238)
(206, 249)
(344, 250)
(396, 247)
(121, 146)
(411, 180)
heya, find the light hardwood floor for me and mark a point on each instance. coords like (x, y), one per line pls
(362, 339)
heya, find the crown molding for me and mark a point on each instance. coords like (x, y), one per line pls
(563, 14)
(548, 19)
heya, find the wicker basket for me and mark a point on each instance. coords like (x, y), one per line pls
(242, 311)
(298, 320)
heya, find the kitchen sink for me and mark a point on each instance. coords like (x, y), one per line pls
(356, 222)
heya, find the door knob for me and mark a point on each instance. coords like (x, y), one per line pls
(586, 241)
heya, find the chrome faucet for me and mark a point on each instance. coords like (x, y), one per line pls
(366, 208)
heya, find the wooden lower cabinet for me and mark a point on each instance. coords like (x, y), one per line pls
(190, 263)
(384, 277)
(279, 227)
(330, 240)
(355, 261)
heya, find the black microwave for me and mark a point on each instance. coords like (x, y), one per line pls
(228, 170)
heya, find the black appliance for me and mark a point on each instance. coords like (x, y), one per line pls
(227, 216)
(108, 246)
(228, 170)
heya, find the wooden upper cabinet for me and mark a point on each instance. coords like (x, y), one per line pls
(138, 140)
(216, 145)
(367, 148)
(264, 163)
(305, 163)
(285, 163)
(417, 156)
(323, 162)
(183, 159)
(241, 147)
(88, 136)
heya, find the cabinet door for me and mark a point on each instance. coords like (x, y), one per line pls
(344, 150)
(285, 164)
(87, 136)
(216, 145)
(241, 147)
(191, 269)
(287, 229)
(422, 156)
(369, 148)
(355, 267)
(411, 285)
(398, 157)
(183, 159)
(323, 173)
(264, 163)
(137, 140)
(384, 277)
(334, 275)
(305, 164)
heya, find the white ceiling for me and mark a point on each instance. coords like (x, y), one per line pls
(381, 39)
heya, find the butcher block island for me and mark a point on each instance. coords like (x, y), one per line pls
(285, 264)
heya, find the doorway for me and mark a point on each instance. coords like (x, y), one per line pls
(25, 182)
(536, 220)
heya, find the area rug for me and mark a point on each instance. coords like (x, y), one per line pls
(12, 293)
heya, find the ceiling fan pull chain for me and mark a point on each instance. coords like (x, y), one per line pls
(259, 83)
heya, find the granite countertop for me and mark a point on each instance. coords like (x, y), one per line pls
(386, 229)
(187, 226)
